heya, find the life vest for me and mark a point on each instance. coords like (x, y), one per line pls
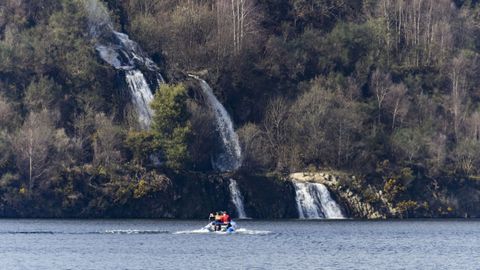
(226, 218)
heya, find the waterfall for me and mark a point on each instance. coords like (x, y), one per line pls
(237, 199)
(125, 55)
(141, 96)
(314, 202)
(231, 157)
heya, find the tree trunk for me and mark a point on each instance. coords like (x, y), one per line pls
(30, 163)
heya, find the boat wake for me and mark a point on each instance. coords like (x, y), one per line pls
(86, 233)
(253, 232)
(136, 232)
(238, 231)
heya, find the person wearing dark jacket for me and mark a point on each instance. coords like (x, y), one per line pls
(218, 221)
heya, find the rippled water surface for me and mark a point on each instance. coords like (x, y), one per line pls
(160, 244)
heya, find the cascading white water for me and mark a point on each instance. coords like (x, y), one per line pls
(231, 157)
(141, 96)
(124, 54)
(237, 199)
(314, 202)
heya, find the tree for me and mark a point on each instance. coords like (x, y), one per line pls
(65, 151)
(83, 128)
(171, 126)
(320, 13)
(408, 142)
(381, 85)
(275, 126)
(42, 94)
(326, 123)
(254, 147)
(397, 103)
(6, 113)
(458, 94)
(142, 144)
(107, 141)
(308, 123)
(473, 126)
(466, 156)
(33, 145)
(146, 7)
(437, 150)
(5, 150)
(237, 22)
(418, 31)
(347, 121)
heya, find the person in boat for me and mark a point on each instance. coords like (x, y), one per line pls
(211, 217)
(218, 221)
(226, 219)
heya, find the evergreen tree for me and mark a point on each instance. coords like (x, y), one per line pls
(171, 126)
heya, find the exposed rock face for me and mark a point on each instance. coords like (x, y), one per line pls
(424, 197)
(357, 206)
(268, 197)
(195, 195)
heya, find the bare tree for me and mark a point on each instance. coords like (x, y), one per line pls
(458, 77)
(189, 34)
(237, 19)
(275, 126)
(252, 139)
(32, 146)
(381, 85)
(323, 126)
(419, 28)
(397, 103)
(473, 126)
(309, 123)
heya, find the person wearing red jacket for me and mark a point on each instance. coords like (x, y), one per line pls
(226, 219)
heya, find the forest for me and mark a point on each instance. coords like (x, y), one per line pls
(383, 89)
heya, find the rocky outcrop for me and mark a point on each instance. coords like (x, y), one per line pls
(193, 195)
(422, 197)
(267, 196)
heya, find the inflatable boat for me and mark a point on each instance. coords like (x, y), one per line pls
(222, 227)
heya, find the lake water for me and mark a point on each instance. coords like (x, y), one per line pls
(161, 244)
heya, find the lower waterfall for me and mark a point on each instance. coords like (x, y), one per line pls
(237, 199)
(314, 202)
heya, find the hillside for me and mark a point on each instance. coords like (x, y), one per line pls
(146, 107)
